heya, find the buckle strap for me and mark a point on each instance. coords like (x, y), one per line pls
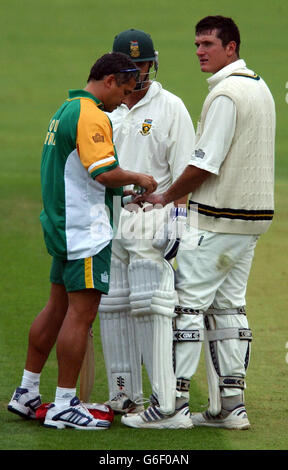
(187, 310)
(180, 336)
(226, 311)
(182, 385)
(230, 333)
(232, 382)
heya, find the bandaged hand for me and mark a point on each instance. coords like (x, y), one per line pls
(129, 197)
(167, 238)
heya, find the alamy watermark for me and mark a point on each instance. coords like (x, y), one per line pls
(147, 223)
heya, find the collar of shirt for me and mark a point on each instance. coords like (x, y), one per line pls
(238, 65)
(74, 94)
(153, 90)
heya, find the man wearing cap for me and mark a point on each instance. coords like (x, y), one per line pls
(154, 134)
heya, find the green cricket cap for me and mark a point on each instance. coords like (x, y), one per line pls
(136, 44)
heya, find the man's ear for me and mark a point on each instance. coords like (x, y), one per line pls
(109, 80)
(231, 48)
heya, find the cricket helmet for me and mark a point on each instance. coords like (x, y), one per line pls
(136, 44)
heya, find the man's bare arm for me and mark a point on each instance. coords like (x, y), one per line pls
(119, 177)
(191, 178)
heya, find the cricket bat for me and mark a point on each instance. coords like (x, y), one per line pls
(87, 373)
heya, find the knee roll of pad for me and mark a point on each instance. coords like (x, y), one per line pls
(118, 296)
(152, 288)
(144, 278)
(164, 298)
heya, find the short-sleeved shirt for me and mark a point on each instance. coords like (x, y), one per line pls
(156, 136)
(217, 136)
(77, 215)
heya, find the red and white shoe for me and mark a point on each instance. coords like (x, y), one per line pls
(76, 415)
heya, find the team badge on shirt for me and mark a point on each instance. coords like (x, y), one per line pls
(146, 127)
(98, 137)
(134, 49)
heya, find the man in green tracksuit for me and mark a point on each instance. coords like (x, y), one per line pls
(80, 174)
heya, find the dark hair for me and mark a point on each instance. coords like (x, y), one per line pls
(226, 29)
(115, 63)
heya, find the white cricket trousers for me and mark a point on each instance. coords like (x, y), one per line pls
(213, 269)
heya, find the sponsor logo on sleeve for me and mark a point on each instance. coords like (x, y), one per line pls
(98, 138)
(199, 153)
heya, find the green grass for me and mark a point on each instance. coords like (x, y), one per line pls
(47, 48)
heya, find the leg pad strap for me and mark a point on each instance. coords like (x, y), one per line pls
(235, 382)
(181, 335)
(182, 384)
(229, 333)
(188, 335)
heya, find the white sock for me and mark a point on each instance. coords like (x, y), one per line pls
(63, 396)
(31, 380)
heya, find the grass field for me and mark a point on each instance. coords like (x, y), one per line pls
(47, 48)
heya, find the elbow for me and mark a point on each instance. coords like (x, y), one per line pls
(107, 180)
(102, 179)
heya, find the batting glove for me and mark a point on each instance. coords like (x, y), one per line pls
(167, 239)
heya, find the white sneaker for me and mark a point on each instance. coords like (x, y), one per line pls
(74, 416)
(152, 418)
(236, 419)
(122, 404)
(24, 403)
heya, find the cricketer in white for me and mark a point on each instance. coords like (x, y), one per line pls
(231, 180)
(152, 130)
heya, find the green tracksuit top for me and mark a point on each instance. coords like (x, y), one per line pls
(77, 215)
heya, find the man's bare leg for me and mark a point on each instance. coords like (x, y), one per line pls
(42, 337)
(45, 328)
(72, 338)
(67, 410)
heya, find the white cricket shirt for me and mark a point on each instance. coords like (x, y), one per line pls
(156, 136)
(219, 128)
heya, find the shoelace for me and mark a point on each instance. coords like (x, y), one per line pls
(142, 401)
(138, 401)
(119, 395)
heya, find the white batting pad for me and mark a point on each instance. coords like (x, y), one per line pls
(122, 354)
(153, 301)
(164, 380)
(120, 348)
